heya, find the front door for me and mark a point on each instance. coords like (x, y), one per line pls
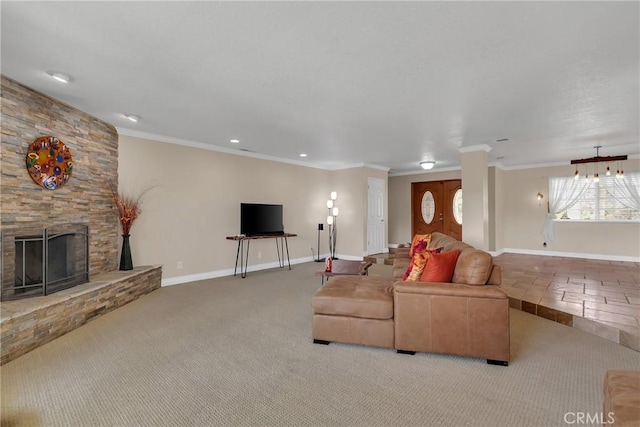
(452, 218)
(433, 207)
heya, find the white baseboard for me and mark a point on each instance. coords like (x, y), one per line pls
(257, 267)
(570, 255)
(384, 251)
(557, 254)
(349, 257)
(397, 245)
(341, 256)
(170, 281)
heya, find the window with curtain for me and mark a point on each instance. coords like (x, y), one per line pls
(610, 199)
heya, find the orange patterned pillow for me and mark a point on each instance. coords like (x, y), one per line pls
(418, 262)
(440, 267)
(416, 240)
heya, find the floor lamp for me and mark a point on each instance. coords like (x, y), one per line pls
(332, 220)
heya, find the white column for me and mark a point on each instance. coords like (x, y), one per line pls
(475, 196)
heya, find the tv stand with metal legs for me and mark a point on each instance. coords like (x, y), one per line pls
(242, 254)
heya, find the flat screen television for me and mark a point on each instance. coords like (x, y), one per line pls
(257, 219)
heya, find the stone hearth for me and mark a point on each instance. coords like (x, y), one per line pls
(29, 323)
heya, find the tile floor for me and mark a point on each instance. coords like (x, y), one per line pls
(596, 296)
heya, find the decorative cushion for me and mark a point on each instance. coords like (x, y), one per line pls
(440, 267)
(473, 267)
(421, 246)
(416, 240)
(354, 297)
(419, 260)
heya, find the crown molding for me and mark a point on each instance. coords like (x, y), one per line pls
(360, 165)
(536, 166)
(378, 167)
(194, 144)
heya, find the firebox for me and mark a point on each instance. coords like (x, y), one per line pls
(43, 261)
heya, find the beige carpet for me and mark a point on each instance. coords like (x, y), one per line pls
(235, 351)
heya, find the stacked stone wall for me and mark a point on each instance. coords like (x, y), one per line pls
(85, 199)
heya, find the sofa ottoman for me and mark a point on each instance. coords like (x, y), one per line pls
(622, 397)
(349, 309)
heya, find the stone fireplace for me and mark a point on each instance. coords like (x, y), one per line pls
(59, 246)
(27, 208)
(44, 261)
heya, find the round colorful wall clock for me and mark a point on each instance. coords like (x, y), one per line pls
(49, 162)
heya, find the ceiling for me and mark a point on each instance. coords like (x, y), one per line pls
(379, 83)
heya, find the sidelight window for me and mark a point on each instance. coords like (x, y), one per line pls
(457, 206)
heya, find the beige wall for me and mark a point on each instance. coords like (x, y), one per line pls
(475, 199)
(352, 187)
(498, 207)
(518, 217)
(350, 227)
(195, 204)
(524, 218)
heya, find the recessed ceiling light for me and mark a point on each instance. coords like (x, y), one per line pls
(429, 164)
(303, 155)
(235, 141)
(61, 77)
(133, 117)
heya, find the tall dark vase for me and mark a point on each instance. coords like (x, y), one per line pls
(126, 263)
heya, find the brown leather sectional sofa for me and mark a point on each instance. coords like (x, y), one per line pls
(468, 317)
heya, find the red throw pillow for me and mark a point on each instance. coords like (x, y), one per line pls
(416, 240)
(440, 267)
(419, 260)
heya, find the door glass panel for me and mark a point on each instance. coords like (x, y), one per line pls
(428, 207)
(457, 206)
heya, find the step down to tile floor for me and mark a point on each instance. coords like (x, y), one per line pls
(539, 285)
(386, 258)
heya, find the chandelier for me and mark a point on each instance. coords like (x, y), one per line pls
(599, 159)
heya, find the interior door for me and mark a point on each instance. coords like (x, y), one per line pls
(375, 216)
(432, 208)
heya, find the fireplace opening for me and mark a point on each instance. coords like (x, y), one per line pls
(55, 259)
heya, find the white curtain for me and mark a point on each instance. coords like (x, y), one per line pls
(626, 190)
(563, 193)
